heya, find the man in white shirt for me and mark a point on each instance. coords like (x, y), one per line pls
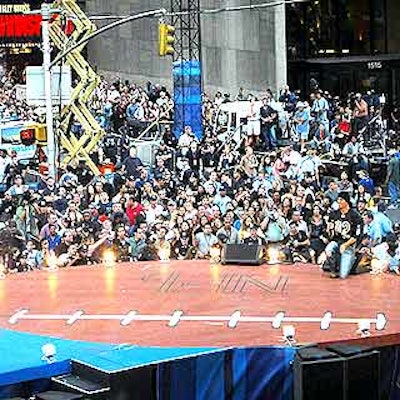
(186, 138)
(204, 241)
(253, 123)
(153, 211)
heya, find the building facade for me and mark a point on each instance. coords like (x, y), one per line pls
(344, 46)
(238, 48)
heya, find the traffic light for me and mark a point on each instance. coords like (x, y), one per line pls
(166, 39)
(27, 136)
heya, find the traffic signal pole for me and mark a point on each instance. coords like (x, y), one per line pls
(105, 29)
(51, 140)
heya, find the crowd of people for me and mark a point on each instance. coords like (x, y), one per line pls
(200, 195)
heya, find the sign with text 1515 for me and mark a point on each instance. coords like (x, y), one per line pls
(375, 65)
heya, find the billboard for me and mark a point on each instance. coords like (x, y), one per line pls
(18, 28)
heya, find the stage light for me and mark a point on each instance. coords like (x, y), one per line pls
(109, 258)
(273, 255)
(364, 327)
(380, 322)
(15, 317)
(175, 319)
(233, 321)
(164, 254)
(289, 333)
(2, 271)
(52, 262)
(49, 351)
(128, 318)
(326, 321)
(276, 323)
(215, 255)
(74, 317)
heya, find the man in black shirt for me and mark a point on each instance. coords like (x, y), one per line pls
(132, 164)
(166, 154)
(268, 118)
(254, 239)
(111, 144)
(296, 245)
(344, 228)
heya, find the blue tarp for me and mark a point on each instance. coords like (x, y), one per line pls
(21, 356)
(190, 373)
(127, 357)
(238, 374)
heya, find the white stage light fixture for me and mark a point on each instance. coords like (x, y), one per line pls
(276, 323)
(364, 327)
(49, 352)
(380, 322)
(289, 333)
(326, 321)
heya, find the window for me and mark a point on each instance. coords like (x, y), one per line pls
(337, 28)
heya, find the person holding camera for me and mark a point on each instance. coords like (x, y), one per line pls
(227, 234)
(296, 245)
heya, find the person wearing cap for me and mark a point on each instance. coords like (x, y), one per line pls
(320, 108)
(222, 199)
(302, 121)
(344, 227)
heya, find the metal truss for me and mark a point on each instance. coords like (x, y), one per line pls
(188, 33)
(77, 148)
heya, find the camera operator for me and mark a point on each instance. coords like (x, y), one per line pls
(121, 244)
(296, 245)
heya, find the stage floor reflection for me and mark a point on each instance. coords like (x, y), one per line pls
(194, 303)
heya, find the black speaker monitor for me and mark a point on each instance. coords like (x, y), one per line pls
(242, 254)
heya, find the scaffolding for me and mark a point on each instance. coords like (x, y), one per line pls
(79, 26)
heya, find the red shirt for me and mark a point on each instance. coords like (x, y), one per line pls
(133, 212)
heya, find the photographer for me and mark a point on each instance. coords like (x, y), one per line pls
(121, 245)
(296, 245)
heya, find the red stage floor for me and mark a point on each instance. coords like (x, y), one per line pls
(156, 290)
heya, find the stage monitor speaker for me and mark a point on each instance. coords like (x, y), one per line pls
(362, 370)
(321, 378)
(242, 254)
(348, 350)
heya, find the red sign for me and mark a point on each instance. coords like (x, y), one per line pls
(19, 28)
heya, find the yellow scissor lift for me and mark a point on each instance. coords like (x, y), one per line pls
(77, 148)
